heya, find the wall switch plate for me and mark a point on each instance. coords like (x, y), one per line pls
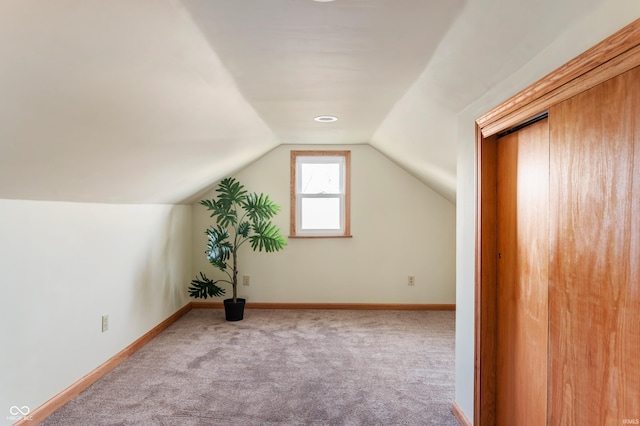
(412, 280)
(105, 323)
(246, 279)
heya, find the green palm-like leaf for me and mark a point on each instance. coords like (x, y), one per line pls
(259, 207)
(218, 248)
(239, 217)
(267, 236)
(224, 213)
(209, 204)
(204, 287)
(231, 192)
(243, 229)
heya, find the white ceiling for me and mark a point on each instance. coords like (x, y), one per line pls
(152, 101)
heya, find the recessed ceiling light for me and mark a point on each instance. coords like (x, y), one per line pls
(326, 118)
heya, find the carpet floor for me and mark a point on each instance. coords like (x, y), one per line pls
(281, 367)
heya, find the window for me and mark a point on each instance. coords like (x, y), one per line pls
(320, 196)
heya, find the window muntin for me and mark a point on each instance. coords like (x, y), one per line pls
(320, 193)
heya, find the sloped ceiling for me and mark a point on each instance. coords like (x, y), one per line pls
(488, 41)
(152, 101)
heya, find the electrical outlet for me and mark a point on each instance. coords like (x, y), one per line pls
(105, 323)
(246, 280)
(412, 280)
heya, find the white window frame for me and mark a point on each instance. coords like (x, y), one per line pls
(318, 157)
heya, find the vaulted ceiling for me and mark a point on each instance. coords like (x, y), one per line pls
(152, 101)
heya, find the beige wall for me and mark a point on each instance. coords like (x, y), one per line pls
(594, 28)
(64, 265)
(400, 227)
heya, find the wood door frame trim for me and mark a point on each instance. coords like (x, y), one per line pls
(615, 55)
(614, 51)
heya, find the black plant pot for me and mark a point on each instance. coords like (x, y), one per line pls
(234, 311)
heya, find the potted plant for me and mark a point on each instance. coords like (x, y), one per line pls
(239, 217)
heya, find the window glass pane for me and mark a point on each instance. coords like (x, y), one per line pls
(320, 213)
(320, 178)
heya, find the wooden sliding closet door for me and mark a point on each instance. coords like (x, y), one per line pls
(594, 271)
(522, 310)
